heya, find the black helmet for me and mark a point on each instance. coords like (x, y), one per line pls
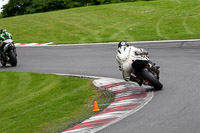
(3, 30)
(122, 43)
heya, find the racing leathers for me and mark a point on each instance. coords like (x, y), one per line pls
(125, 57)
(4, 36)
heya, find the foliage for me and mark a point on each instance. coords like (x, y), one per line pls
(20, 7)
(134, 21)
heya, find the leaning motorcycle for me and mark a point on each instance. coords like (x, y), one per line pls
(9, 53)
(147, 71)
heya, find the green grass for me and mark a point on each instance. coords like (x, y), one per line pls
(31, 102)
(133, 21)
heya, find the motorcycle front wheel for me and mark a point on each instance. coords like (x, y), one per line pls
(147, 75)
(13, 58)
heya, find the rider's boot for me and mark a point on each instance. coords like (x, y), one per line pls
(135, 79)
(3, 56)
(157, 67)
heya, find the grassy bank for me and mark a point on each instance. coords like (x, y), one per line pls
(134, 21)
(31, 102)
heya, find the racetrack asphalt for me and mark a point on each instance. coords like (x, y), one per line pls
(175, 109)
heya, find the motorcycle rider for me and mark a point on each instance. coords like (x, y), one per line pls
(4, 35)
(125, 56)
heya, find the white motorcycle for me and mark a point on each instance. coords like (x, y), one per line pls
(10, 54)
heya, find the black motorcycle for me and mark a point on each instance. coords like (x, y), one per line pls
(147, 72)
(10, 54)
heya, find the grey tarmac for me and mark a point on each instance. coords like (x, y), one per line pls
(175, 109)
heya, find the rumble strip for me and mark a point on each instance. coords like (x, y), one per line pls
(129, 98)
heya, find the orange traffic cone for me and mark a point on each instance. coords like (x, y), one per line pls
(96, 108)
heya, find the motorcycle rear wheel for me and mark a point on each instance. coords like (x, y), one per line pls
(147, 75)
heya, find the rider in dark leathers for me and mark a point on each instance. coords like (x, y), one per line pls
(4, 36)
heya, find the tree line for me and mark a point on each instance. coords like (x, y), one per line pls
(21, 7)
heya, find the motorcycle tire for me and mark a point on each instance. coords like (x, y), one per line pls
(147, 75)
(13, 58)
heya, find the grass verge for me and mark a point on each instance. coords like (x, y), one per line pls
(31, 102)
(132, 21)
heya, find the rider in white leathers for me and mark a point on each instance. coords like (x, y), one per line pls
(125, 56)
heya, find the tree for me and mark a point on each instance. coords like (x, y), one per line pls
(20, 7)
